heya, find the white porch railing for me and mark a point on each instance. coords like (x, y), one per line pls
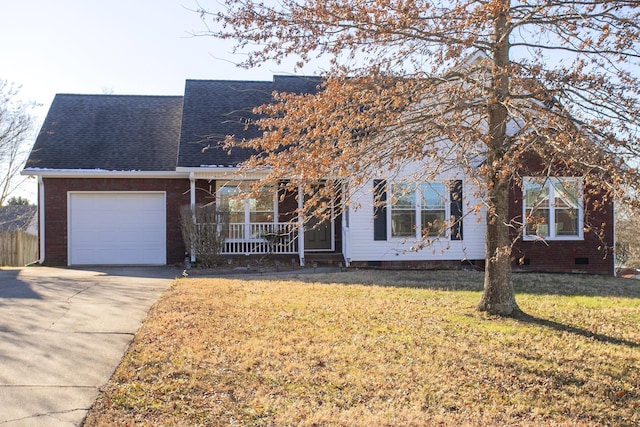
(261, 238)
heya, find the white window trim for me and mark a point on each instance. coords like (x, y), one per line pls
(548, 182)
(247, 204)
(417, 197)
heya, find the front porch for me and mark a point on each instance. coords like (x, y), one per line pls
(261, 238)
(264, 224)
(278, 239)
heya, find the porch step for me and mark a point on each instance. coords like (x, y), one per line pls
(333, 259)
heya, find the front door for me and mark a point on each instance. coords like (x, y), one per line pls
(318, 235)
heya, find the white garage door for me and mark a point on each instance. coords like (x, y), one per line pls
(117, 228)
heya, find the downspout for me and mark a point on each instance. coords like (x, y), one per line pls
(192, 196)
(346, 238)
(301, 225)
(41, 218)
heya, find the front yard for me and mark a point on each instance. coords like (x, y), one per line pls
(381, 348)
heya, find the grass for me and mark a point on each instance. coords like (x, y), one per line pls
(365, 348)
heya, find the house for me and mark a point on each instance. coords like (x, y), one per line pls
(19, 217)
(114, 172)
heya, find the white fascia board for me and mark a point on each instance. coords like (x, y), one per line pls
(101, 173)
(220, 172)
(229, 173)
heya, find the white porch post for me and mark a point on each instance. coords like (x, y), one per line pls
(301, 225)
(192, 195)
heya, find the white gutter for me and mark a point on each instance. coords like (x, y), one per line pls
(205, 169)
(213, 172)
(41, 199)
(101, 173)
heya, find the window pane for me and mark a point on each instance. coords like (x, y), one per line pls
(261, 207)
(224, 194)
(536, 195)
(432, 200)
(403, 197)
(433, 222)
(264, 201)
(227, 201)
(433, 195)
(403, 223)
(566, 193)
(566, 222)
(538, 222)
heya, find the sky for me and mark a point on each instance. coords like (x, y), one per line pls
(141, 47)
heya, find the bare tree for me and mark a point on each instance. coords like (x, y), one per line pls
(16, 124)
(554, 91)
(627, 237)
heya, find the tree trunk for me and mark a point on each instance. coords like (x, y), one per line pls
(498, 297)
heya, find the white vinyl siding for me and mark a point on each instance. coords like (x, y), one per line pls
(363, 247)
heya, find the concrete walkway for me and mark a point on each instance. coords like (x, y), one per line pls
(62, 334)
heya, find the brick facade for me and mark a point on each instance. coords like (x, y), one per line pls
(592, 255)
(55, 193)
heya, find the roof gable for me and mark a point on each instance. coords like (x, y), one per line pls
(109, 132)
(214, 109)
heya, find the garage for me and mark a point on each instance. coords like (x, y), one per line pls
(123, 228)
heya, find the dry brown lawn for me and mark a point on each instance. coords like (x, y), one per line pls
(381, 348)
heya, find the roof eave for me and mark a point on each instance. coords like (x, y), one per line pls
(100, 173)
(227, 172)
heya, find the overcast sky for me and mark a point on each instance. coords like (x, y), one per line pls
(110, 46)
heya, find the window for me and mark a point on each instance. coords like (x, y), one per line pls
(403, 211)
(228, 201)
(257, 208)
(553, 208)
(419, 211)
(433, 208)
(261, 206)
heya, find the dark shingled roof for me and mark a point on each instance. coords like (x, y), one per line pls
(109, 132)
(214, 109)
(155, 133)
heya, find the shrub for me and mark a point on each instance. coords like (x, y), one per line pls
(203, 230)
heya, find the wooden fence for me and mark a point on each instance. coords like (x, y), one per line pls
(18, 248)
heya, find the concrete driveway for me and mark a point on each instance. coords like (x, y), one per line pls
(62, 334)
